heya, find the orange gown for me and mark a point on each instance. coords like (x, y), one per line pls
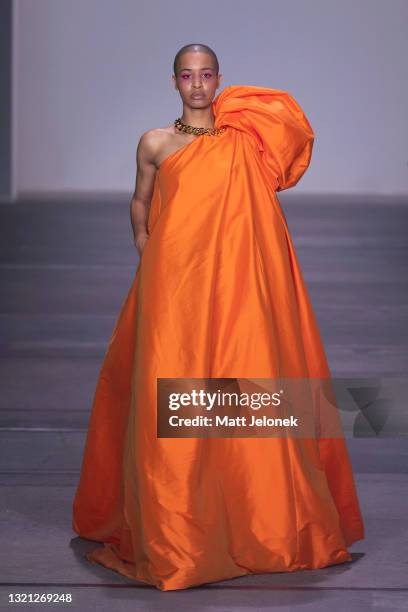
(218, 292)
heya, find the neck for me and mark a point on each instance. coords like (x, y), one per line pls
(198, 117)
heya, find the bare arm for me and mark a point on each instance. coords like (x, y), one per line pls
(141, 199)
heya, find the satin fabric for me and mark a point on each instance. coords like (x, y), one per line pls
(218, 293)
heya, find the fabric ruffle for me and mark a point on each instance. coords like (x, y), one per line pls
(276, 121)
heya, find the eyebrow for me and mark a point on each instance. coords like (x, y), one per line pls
(190, 69)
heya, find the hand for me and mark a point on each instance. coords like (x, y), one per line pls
(140, 242)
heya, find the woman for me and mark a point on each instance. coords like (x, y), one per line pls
(218, 293)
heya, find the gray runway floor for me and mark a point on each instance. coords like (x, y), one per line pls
(65, 268)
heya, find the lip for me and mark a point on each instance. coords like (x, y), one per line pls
(197, 97)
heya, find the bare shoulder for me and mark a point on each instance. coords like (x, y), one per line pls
(152, 141)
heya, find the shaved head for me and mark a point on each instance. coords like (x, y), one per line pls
(195, 47)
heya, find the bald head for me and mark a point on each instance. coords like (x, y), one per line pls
(191, 48)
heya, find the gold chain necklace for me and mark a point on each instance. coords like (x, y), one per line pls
(189, 129)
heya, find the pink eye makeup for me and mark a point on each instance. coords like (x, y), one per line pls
(206, 75)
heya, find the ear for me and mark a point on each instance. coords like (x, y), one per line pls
(173, 78)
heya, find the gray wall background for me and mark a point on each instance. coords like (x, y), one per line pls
(92, 75)
(6, 80)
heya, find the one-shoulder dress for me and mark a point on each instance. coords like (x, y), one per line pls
(218, 292)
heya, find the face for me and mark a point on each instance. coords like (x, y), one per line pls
(196, 79)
